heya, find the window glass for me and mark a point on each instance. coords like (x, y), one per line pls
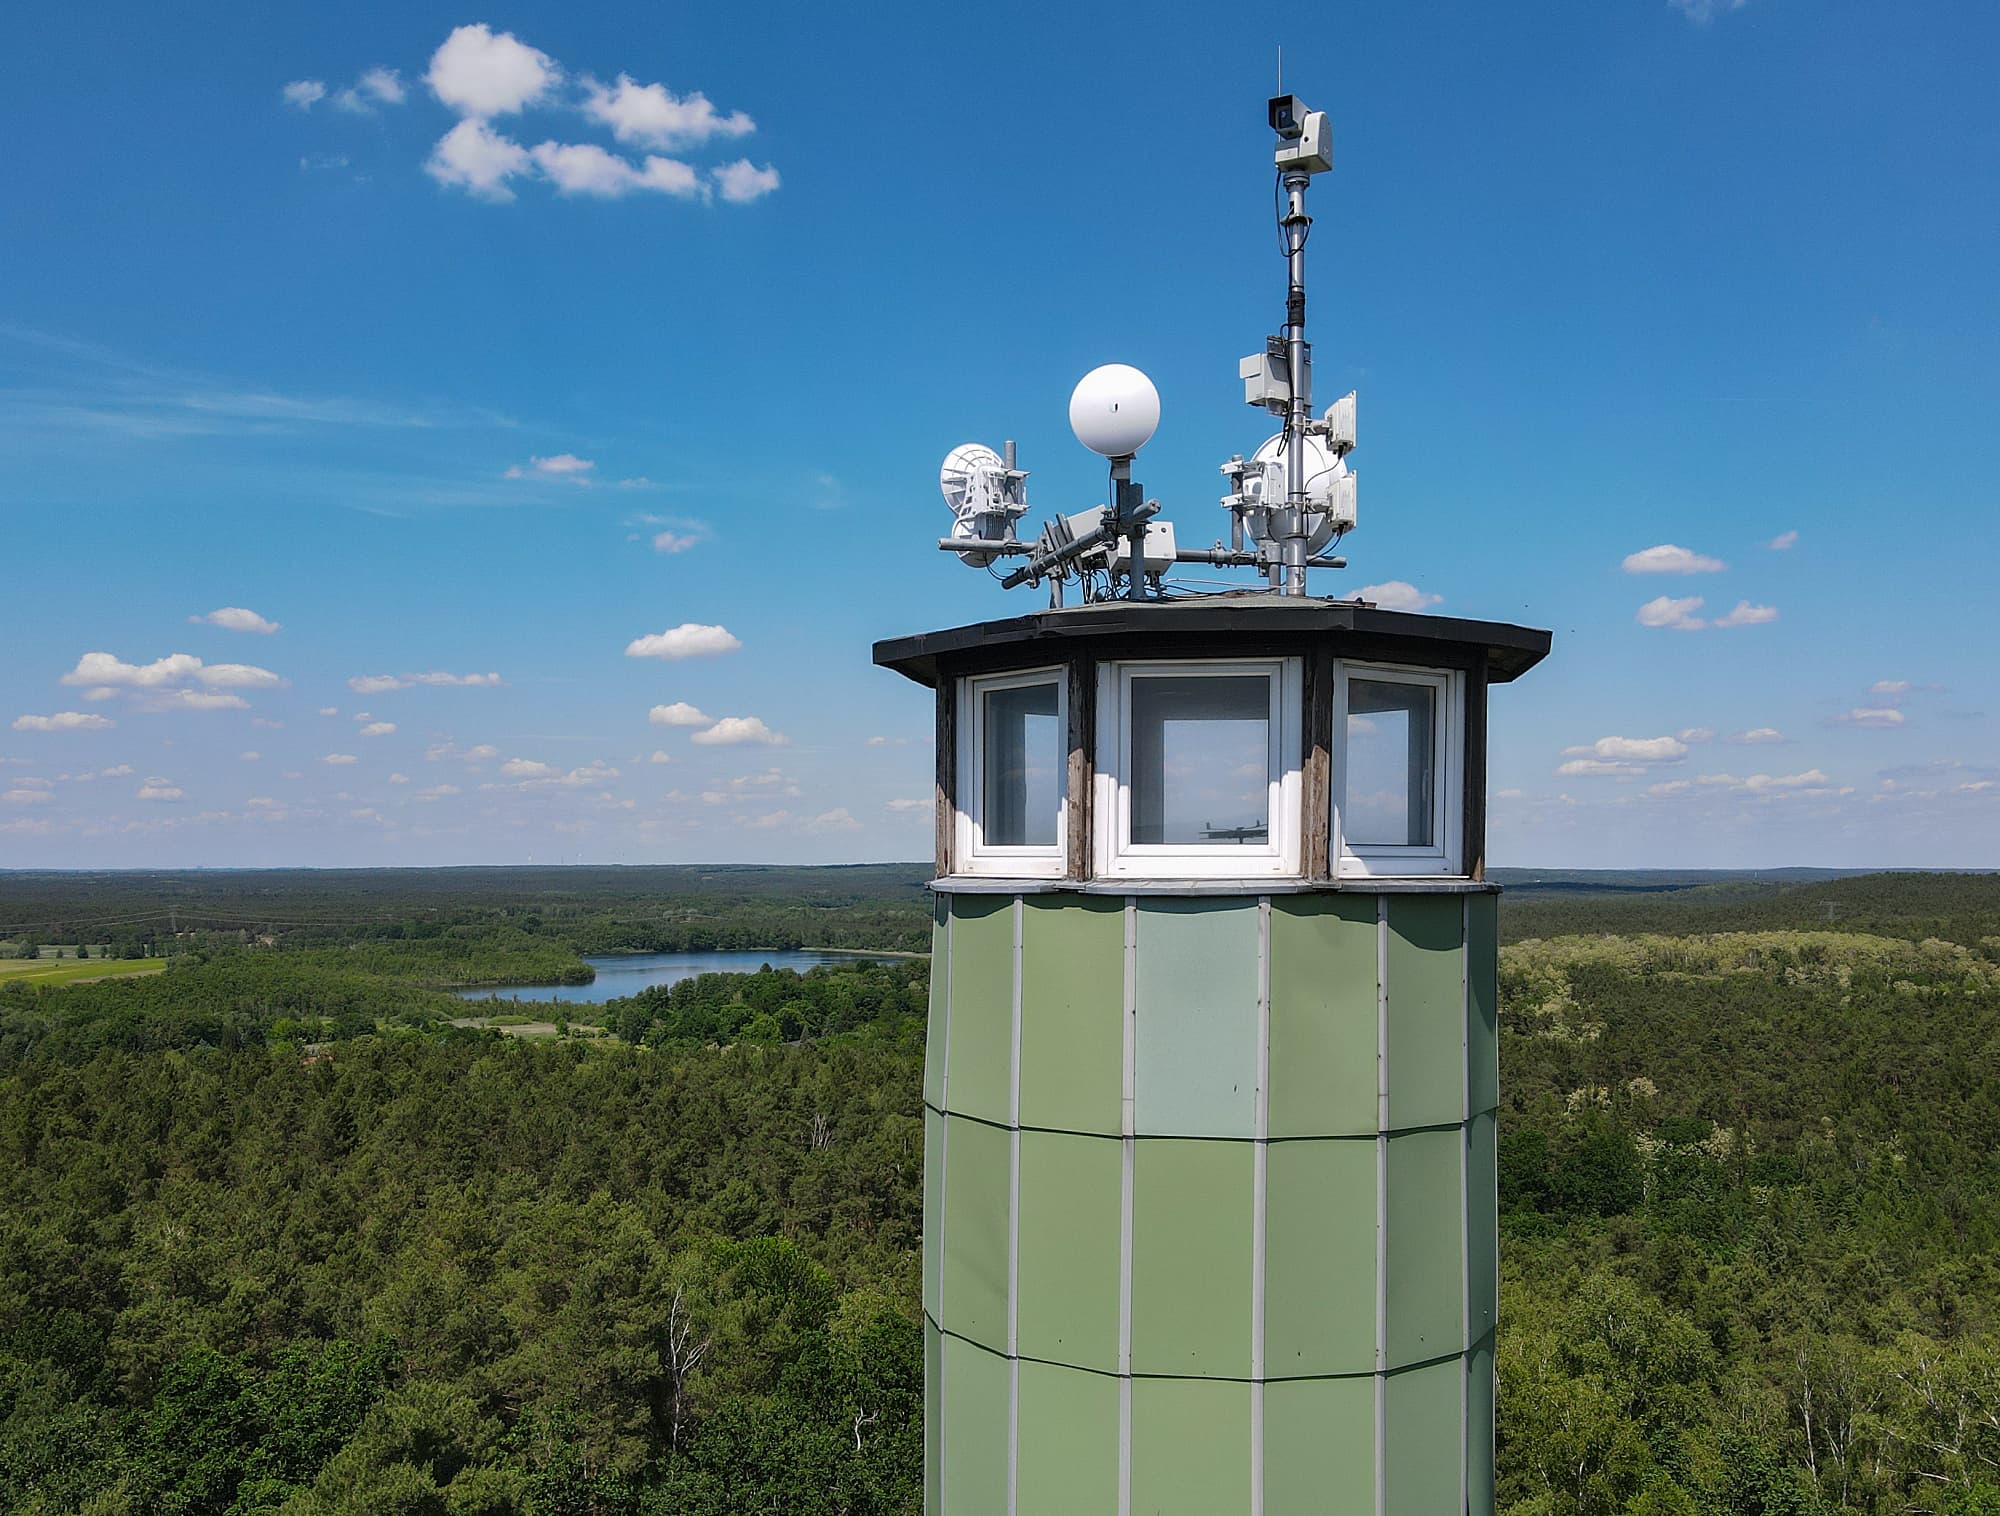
(1021, 766)
(1201, 760)
(1391, 764)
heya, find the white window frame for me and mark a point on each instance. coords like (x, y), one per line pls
(1378, 860)
(974, 855)
(1118, 857)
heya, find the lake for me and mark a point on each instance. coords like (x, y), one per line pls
(629, 973)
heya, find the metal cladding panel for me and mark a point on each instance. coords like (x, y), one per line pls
(1319, 1258)
(935, 1040)
(933, 1420)
(977, 1213)
(1423, 1422)
(1482, 984)
(1481, 1392)
(1482, 1227)
(979, 1041)
(1426, 983)
(1196, 1071)
(1190, 1448)
(934, 1192)
(1191, 1258)
(1319, 1447)
(1323, 1015)
(1070, 1246)
(1073, 1014)
(977, 1394)
(1067, 1464)
(1426, 1246)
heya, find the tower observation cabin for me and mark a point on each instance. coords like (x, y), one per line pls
(1210, 1214)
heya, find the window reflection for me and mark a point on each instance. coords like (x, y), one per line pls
(1391, 764)
(1022, 762)
(1201, 760)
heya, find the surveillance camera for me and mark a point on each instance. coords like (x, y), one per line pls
(1288, 116)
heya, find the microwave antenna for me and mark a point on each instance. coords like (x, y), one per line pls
(1290, 501)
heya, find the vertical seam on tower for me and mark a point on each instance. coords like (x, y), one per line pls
(1128, 1124)
(944, 1154)
(1464, 1197)
(1381, 1202)
(1260, 1204)
(1014, 1225)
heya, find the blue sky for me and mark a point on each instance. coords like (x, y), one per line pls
(319, 313)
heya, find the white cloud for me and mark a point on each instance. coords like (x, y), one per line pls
(161, 789)
(63, 721)
(339, 760)
(236, 619)
(733, 730)
(330, 710)
(438, 792)
(675, 542)
(526, 768)
(477, 159)
(1599, 766)
(378, 684)
(1881, 717)
(1397, 595)
(1668, 559)
(561, 466)
(193, 700)
(378, 729)
(680, 713)
(688, 640)
(396, 778)
(660, 755)
(584, 168)
(1747, 614)
(1633, 749)
(480, 73)
(1697, 734)
(304, 93)
(238, 676)
(250, 756)
(106, 671)
(742, 181)
(888, 742)
(1889, 689)
(1757, 783)
(1757, 736)
(1677, 614)
(653, 116)
(839, 819)
(376, 86)
(1671, 787)
(26, 796)
(121, 771)
(1782, 542)
(1701, 12)
(911, 807)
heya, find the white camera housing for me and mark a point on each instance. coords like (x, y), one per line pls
(1311, 152)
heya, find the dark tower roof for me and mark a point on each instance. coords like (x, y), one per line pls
(1220, 626)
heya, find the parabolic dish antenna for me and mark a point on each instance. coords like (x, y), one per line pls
(1114, 409)
(961, 464)
(1329, 505)
(973, 481)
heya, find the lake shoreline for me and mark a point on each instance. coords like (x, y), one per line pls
(620, 975)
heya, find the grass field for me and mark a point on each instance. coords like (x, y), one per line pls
(74, 970)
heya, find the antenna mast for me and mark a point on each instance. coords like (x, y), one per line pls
(1288, 503)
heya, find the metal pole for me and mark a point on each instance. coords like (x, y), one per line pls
(1292, 528)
